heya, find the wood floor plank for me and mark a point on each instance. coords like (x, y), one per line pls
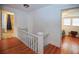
(70, 45)
(51, 49)
(14, 46)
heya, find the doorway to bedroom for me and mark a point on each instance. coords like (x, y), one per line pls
(7, 24)
(70, 31)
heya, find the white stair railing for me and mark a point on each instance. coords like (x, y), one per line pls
(35, 42)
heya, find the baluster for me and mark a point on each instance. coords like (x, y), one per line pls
(28, 41)
(33, 43)
(36, 44)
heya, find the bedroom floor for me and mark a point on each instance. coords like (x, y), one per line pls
(70, 45)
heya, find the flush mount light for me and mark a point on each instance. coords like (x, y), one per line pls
(26, 5)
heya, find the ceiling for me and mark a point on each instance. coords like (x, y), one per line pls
(29, 9)
(71, 12)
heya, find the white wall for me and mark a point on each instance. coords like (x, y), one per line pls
(48, 19)
(70, 13)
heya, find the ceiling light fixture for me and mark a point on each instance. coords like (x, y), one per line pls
(26, 5)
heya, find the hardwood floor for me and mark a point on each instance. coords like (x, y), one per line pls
(51, 49)
(14, 46)
(70, 45)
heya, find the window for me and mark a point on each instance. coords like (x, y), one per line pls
(67, 21)
(71, 21)
(75, 21)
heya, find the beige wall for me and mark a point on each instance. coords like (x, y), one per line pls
(0, 21)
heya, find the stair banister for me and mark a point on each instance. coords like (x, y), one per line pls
(40, 42)
(33, 41)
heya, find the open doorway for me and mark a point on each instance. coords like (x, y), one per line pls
(70, 31)
(7, 24)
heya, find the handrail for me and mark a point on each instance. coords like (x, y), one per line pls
(28, 32)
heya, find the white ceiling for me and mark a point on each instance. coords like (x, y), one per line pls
(71, 12)
(29, 9)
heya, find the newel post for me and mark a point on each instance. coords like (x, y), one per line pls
(40, 43)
